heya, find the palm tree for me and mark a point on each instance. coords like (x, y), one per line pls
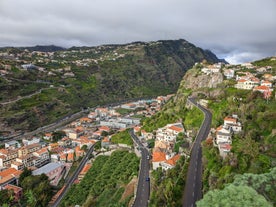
(31, 200)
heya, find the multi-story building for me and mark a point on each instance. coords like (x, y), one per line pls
(23, 151)
(223, 135)
(7, 156)
(9, 176)
(42, 157)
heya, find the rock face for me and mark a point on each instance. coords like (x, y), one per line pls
(193, 79)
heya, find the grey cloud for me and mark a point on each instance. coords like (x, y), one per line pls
(237, 30)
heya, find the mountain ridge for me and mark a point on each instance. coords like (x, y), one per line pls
(84, 77)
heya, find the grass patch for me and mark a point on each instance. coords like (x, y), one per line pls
(122, 138)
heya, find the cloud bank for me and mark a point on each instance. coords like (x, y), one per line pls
(238, 30)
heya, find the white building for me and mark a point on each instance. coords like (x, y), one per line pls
(34, 140)
(12, 144)
(223, 135)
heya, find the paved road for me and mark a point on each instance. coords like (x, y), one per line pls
(74, 177)
(143, 188)
(27, 96)
(193, 186)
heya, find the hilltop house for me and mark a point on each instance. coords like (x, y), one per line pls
(233, 124)
(223, 135)
(247, 84)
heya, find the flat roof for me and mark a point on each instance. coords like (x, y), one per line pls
(47, 168)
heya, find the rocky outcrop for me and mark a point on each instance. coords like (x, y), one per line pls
(194, 79)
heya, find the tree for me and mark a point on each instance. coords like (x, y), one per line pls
(5, 196)
(104, 133)
(84, 147)
(58, 135)
(31, 199)
(26, 172)
(38, 190)
(98, 145)
(238, 196)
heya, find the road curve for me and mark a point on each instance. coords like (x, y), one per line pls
(193, 186)
(143, 188)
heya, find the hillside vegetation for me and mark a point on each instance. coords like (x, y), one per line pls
(249, 167)
(105, 182)
(88, 76)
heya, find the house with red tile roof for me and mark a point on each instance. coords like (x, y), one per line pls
(85, 120)
(84, 170)
(7, 156)
(42, 155)
(105, 142)
(223, 135)
(233, 123)
(266, 83)
(92, 115)
(157, 158)
(136, 129)
(264, 89)
(65, 142)
(17, 165)
(247, 84)
(79, 152)
(229, 120)
(9, 176)
(63, 157)
(48, 136)
(170, 163)
(18, 192)
(104, 128)
(70, 157)
(103, 112)
(76, 133)
(169, 132)
(224, 149)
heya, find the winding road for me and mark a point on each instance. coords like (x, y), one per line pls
(143, 188)
(193, 186)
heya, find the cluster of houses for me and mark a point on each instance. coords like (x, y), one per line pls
(163, 154)
(248, 81)
(54, 158)
(223, 138)
(245, 80)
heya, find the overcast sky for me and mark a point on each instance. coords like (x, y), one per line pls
(238, 30)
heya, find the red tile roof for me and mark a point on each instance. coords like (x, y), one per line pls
(104, 128)
(85, 168)
(175, 128)
(242, 80)
(8, 174)
(173, 160)
(262, 88)
(230, 119)
(15, 188)
(158, 156)
(70, 156)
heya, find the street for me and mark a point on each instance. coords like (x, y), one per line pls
(143, 188)
(193, 186)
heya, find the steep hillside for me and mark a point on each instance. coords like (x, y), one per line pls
(87, 76)
(252, 150)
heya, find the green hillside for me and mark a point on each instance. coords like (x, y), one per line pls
(253, 150)
(88, 76)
